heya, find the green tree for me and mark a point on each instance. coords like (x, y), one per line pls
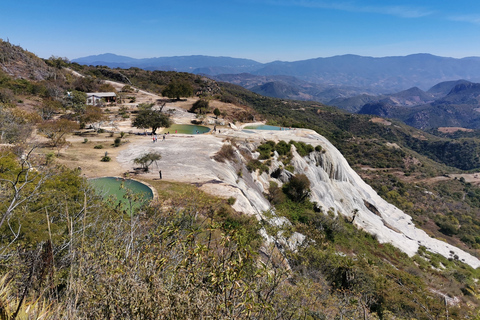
(77, 101)
(298, 188)
(151, 119)
(176, 90)
(216, 112)
(200, 106)
(93, 115)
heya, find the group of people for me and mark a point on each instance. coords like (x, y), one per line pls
(155, 138)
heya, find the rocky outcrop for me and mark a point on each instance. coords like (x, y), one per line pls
(335, 186)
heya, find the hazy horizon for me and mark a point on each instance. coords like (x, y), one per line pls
(338, 55)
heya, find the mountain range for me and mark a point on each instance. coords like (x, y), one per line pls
(447, 104)
(319, 79)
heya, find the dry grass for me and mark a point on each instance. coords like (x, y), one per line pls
(83, 155)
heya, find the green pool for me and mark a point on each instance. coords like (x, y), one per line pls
(110, 188)
(263, 127)
(186, 129)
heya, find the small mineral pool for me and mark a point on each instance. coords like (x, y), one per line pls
(110, 188)
(264, 127)
(185, 129)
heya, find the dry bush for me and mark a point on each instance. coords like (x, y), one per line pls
(227, 152)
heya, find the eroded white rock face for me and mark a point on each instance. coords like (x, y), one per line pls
(334, 185)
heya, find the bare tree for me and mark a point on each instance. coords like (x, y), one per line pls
(21, 186)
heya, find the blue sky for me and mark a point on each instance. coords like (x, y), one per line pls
(263, 30)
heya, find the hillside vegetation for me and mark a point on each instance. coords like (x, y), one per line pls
(66, 254)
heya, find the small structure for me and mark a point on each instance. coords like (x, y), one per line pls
(97, 98)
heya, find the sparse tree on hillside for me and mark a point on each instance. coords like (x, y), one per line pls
(16, 125)
(77, 101)
(216, 112)
(148, 118)
(48, 108)
(176, 90)
(56, 131)
(147, 159)
(92, 115)
(58, 62)
(200, 106)
(106, 87)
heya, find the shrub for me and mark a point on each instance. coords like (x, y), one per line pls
(225, 153)
(106, 159)
(85, 140)
(231, 201)
(255, 164)
(127, 88)
(283, 148)
(98, 146)
(49, 157)
(117, 142)
(303, 149)
(275, 194)
(266, 150)
(298, 188)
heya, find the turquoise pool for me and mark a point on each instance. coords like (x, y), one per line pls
(110, 188)
(186, 129)
(264, 127)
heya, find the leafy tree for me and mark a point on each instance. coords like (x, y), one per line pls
(147, 159)
(176, 90)
(149, 118)
(20, 181)
(200, 106)
(77, 101)
(216, 112)
(92, 114)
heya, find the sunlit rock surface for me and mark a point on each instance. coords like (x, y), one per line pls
(334, 185)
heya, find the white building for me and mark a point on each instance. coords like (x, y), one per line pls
(96, 98)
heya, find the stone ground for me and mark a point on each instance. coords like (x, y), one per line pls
(185, 158)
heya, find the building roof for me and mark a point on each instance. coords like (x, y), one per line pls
(101, 94)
